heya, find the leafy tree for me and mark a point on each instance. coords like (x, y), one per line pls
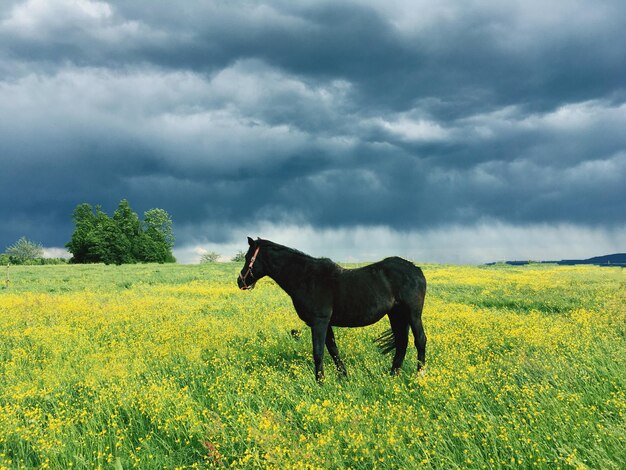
(129, 231)
(210, 257)
(158, 238)
(24, 250)
(83, 244)
(159, 221)
(112, 245)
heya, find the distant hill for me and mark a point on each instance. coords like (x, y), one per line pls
(616, 259)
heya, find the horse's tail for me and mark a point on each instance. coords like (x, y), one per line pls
(386, 342)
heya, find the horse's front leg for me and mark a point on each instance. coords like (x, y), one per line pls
(319, 330)
(331, 345)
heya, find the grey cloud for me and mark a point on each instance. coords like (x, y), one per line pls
(408, 115)
(487, 55)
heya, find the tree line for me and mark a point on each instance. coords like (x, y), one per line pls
(121, 239)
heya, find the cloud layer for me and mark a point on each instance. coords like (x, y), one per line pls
(337, 117)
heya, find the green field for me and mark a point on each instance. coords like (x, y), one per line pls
(170, 366)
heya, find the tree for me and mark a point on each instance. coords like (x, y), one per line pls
(159, 239)
(210, 257)
(112, 246)
(83, 245)
(129, 230)
(159, 221)
(23, 251)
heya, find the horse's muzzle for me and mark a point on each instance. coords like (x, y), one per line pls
(241, 282)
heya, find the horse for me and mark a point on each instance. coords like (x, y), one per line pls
(325, 295)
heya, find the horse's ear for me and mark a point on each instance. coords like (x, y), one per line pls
(250, 241)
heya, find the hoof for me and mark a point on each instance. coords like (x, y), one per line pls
(340, 368)
(295, 334)
(421, 372)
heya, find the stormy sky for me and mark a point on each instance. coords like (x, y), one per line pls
(443, 131)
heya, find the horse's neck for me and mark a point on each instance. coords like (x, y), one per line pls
(288, 270)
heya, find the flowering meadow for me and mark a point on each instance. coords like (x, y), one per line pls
(171, 366)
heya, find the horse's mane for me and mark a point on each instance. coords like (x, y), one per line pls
(293, 251)
(277, 246)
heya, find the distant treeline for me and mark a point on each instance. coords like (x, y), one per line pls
(6, 259)
(121, 239)
(616, 259)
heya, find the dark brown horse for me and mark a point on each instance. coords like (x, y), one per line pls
(326, 295)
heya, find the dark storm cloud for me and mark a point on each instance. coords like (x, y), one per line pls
(407, 115)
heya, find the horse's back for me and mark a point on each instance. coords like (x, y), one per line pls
(390, 273)
(363, 295)
(403, 273)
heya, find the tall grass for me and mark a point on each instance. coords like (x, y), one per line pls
(172, 367)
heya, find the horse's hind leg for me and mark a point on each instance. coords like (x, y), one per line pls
(420, 342)
(318, 334)
(415, 320)
(400, 329)
(331, 345)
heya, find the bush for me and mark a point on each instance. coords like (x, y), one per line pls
(46, 261)
(6, 259)
(210, 257)
(239, 257)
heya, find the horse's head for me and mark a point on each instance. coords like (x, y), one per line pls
(252, 269)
